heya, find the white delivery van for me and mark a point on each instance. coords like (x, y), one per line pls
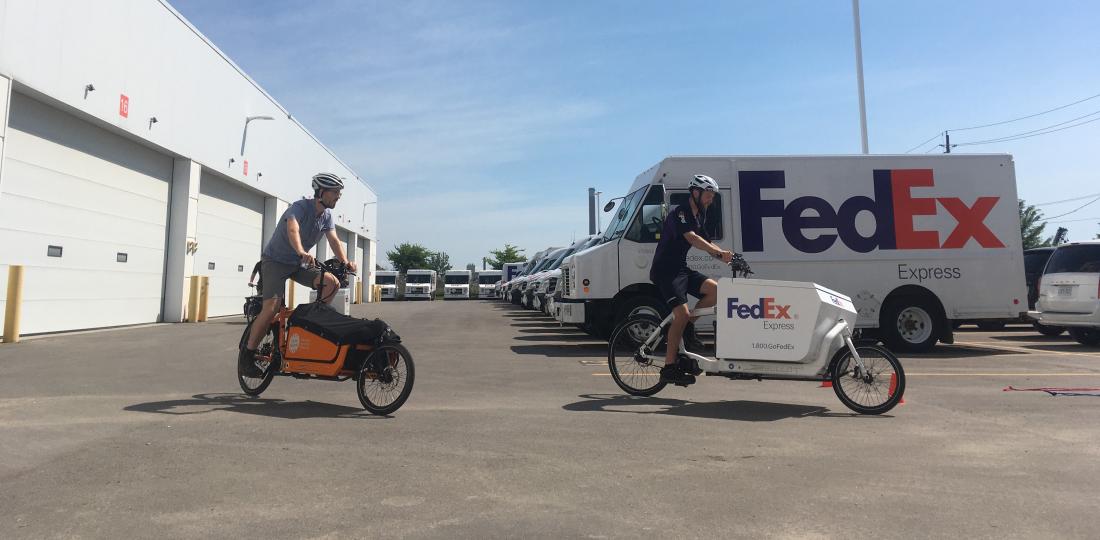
(916, 241)
(456, 285)
(487, 281)
(1069, 291)
(513, 289)
(387, 281)
(509, 271)
(420, 284)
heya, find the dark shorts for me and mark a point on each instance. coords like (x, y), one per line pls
(274, 274)
(675, 287)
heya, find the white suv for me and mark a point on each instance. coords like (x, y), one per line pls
(1069, 291)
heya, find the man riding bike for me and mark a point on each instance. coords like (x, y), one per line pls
(683, 229)
(287, 255)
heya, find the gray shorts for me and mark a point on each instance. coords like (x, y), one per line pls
(274, 275)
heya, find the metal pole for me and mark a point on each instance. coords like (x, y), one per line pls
(599, 210)
(591, 210)
(859, 77)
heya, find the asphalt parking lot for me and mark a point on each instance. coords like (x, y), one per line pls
(514, 429)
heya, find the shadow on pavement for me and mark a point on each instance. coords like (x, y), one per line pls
(546, 324)
(958, 350)
(564, 350)
(743, 411)
(240, 403)
(1036, 337)
(570, 337)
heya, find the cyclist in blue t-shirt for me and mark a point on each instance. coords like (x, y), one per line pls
(683, 230)
(286, 256)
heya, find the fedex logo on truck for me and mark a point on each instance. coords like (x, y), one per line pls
(765, 309)
(894, 208)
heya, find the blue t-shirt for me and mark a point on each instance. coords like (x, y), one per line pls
(672, 249)
(311, 228)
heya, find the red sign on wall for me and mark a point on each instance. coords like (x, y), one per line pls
(123, 106)
(246, 167)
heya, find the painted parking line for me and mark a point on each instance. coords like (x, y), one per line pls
(1002, 347)
(1079, 374)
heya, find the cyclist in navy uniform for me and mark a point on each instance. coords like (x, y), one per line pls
(683, 230)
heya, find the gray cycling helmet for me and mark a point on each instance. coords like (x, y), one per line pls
(326, 180)
(704, 183)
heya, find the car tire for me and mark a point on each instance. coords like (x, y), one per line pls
(1049, 331)
(910, 324)
(1086, 336)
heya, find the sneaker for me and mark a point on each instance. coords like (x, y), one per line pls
(674, 375)
(246, 364)
(687, 365)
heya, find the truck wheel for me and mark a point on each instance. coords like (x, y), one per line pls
(1049, 331)
(1086, 336)
(642, 304)
(909, 324)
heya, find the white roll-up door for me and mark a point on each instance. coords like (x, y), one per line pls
(230, 235)
(85, 211)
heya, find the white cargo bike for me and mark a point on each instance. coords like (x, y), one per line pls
(778, 330)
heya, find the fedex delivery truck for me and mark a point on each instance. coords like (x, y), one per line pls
(916, 241)
(456, 284)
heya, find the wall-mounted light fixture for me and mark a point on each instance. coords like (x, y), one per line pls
(152, 120)
(88, 88)
(244, 137)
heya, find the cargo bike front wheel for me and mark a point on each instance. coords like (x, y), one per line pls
(386, 379)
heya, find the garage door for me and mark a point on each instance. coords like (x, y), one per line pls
(85, 211)
(230, 235)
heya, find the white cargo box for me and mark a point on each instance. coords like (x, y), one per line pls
(776, 320)
(341, 302)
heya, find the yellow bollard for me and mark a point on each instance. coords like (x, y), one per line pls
(193, 299)
(14, 300)
(204, 296)
(290, 296)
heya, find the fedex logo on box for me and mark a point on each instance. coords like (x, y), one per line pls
(894, 208)
(765, 309)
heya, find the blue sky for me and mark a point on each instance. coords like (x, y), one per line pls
(481, 123)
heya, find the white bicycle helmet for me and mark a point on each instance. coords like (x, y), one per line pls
(325, 180)
(704, 183)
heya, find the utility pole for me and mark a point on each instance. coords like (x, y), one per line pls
(947, 146)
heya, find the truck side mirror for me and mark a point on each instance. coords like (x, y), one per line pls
(607, 207)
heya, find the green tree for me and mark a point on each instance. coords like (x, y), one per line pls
(509, 254)
(439, 261)
(1031, 226)
(406, 256)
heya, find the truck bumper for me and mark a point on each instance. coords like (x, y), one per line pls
(572, 311)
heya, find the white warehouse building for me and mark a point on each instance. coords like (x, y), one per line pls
(135, 154)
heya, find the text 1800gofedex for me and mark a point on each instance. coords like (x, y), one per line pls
(893, 207)
(766, 308)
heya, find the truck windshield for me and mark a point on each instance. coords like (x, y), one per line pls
(487, 279)
(618, 224)
(457, 280)
(385, 280)
(1084, 258)
(418, 278)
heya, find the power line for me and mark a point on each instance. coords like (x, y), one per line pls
(930, 139)
(1028, 116)
(1036, 132)
(1076, 220)
(1081, 198)
(1074, 210)
(1004, 121)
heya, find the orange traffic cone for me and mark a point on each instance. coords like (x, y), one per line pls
(894, 386)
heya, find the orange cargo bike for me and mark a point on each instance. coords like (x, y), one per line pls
(314, 341)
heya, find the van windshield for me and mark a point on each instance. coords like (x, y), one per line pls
(385, 280)
(1083, 258)
(418, 278)
(487, 279)
(618, 224)
(457, 280)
